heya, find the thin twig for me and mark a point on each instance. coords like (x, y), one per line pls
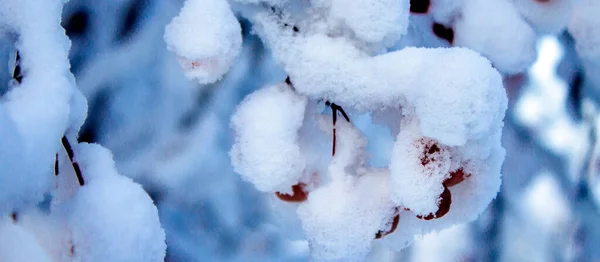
(17, 74)
(334, 109)
(56, 165)
(69, 150)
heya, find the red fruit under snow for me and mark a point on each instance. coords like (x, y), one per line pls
(298, 194)
(443, 207)
(455, 178)
(382, 233)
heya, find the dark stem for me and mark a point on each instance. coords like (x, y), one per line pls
(14, 216)
(56, 165)
(334, 109)
(17, 75)
(69, 149)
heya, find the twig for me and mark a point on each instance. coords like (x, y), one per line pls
(56, 165)
(334, 109)
(17, 74)
(69, 150)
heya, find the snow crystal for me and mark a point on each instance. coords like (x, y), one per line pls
(511, 51)
(206, 37)
(111, 217)
(265, 151)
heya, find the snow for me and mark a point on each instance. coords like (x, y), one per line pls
(111, 218)
(322, 67)
(511, 51)
(206, 38)
(445, 106)
(342, 218)
(547, 16)
(265, 150)
(451, 244)
(373, 20)
(418, 167)
(17, 244)
(36, 113)
(13, 186)
(445, 11)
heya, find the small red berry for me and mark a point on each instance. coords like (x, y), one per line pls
(382, 233)
(443, 207)
(455, 178)
(298, 194)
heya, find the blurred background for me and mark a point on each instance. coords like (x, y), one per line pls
(172, 136)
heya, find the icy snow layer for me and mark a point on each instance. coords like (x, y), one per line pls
(36, 112)
(206, 37)
(265, 150)
(111, 218)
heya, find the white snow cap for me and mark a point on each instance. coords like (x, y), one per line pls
(265, 150)
(111, 218)
(478, 27)
(373, 20)
(206, 37)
